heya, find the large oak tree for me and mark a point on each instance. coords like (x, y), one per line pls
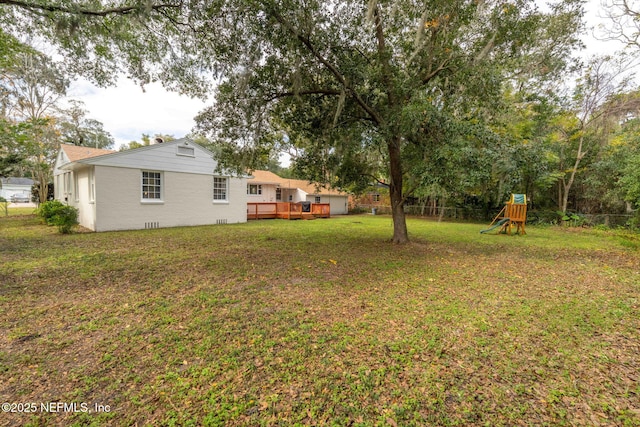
(351, 86)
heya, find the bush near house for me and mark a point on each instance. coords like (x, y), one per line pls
(58, 214)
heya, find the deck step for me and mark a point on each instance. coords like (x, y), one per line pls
(308, 216)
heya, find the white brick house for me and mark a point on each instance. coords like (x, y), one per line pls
(163, 185)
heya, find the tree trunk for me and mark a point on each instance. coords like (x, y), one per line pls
(400, 235)
(565, 199)
(443, 203)
(572, 177)
(43, 188)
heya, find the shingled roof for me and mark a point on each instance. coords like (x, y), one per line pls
(17, 181)
(266, 177)
(75, 152)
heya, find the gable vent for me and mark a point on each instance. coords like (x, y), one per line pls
(150, 225)
(186, 151)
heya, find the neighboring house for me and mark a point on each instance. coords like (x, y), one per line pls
(18, 187)
(376, 196)
(162, 185)
(268, 187)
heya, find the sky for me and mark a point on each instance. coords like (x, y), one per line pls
(126, 111)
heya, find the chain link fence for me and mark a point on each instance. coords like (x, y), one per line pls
(481, 215)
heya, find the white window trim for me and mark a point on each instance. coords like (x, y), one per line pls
(92, 185)
(221, 201)
(317, 199)
(258, 190)
(76, 187)
(66, 178)
(159, 201)
(56, 187)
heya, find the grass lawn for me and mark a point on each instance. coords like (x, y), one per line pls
(320, 323)
(16, 211)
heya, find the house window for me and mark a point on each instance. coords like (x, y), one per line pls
(375, 197)
(151, 185)
(291, 197)
(317, 199)
(57, 188)
(183, 150)
(254, 189)
(76, 191)
(92, 185)
(279, 194)
(67, 185)
(219, 189)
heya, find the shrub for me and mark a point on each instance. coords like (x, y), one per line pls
(48, 209)
(634, 222)
(572, 219)
(63, 216)
(66, 218)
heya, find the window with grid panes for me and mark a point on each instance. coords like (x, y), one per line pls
(219, 189)
(151, 185)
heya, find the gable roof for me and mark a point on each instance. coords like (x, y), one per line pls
(17, 181)
(106, 157)
(266, 177)
(76, 152)
(165, 156)
(313, 188)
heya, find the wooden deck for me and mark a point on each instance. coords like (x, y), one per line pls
(286, 210)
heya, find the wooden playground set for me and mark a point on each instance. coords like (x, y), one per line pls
(514, 214)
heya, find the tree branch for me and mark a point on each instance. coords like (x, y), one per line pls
(382, 53)
(124, 10)
(438, 70)
(330, 92)
(410, 192)
(376, 179)
(329, 66)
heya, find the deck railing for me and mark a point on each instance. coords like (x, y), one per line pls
(286, 210)
(322, 210)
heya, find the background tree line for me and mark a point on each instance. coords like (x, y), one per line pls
(575, 150)
(36, 117)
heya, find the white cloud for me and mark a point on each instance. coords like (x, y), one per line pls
(127, 111)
